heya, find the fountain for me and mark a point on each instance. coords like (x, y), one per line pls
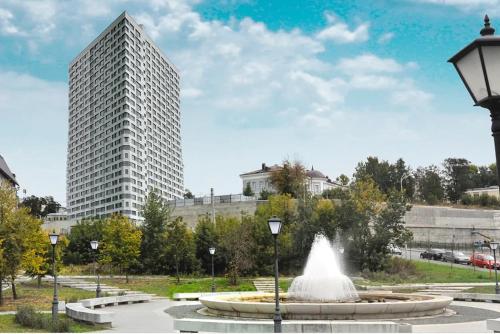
(323, 292)
(322, 280)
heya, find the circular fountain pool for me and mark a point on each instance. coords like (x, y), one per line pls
(369, 306)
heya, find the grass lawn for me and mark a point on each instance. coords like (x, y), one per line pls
(7, 325)
(167, 286)
(430, 273)
(41, 298)
(481, 289)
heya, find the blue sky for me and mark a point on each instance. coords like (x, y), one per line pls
(325, 82)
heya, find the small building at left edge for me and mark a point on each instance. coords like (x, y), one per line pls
(6, 174)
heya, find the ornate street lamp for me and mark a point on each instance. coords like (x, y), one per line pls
(275, 228)
(478, 65)
(494, 246)
(94, 244)
(55, 302)
(211, 250)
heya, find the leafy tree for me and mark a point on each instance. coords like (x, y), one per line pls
(78, 250)
(458, 178)
(121, 243)
(429, 184)
(264, 195)
(35, 203)
(204, 238)
(154, 234)
(342, 179)
(486, 176)
(290, 179)
(336, 193)
(248, 190)
(20, 237)
(180, 248)
(236, 245)
(188, 194)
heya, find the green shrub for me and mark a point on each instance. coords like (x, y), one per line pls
(400, 266)
(27, 316)
(467, 199)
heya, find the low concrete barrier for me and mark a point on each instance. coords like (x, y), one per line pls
(474, 297)
(115, 300)
(197, 295)
(289, 326)
(79, 312)
(493, 325)
(84, 310)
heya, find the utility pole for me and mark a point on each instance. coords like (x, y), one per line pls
(213, 205)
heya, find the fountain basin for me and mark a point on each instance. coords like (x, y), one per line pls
(370, 306)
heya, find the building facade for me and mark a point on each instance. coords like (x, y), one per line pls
(490, 191)
(124, 124)
(260, 180)
(6, 175)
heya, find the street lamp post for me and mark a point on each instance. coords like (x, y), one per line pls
(94, 244)
(212, 253)
(478, 66)
(55, 302)
(275, 227)
(494, 246)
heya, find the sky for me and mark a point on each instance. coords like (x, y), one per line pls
(328, 83)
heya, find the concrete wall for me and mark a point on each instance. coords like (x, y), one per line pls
(191, 213)
(439, 224)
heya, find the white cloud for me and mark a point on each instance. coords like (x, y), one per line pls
(386, 37)
(6, 25)
(411, 98)
(339, 31)
(369, 63)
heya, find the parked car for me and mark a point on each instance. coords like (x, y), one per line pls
(484, 261)
(432, 254)
(456, 257)
(393, 249)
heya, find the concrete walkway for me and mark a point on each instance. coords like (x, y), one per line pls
(144, 318)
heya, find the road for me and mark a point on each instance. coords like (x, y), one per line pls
(414, 254)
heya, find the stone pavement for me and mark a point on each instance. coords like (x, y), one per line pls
(144, 318)
(151, 317)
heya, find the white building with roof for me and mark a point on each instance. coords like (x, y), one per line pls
(260, 180)
(6, 174)
(490, 191)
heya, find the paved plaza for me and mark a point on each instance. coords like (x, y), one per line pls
(152, 317)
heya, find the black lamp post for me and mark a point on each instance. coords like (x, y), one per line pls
(275, 227)
(478, 65)
(55, 302)
(212, 253)
(94, 244)
(494, 246)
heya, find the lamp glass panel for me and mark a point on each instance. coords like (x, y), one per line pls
(274, 226)
(94, 244)
(491, 55)
(493, 245)
(472, 71)
(211, 250)
(53, 238)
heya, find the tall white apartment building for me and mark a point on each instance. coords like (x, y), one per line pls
(124, 124)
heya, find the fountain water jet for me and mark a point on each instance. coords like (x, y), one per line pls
(322, 280)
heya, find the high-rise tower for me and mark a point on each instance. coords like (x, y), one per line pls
(124, 124)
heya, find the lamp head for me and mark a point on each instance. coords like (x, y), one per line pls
(53, 238)
(493, 245)
(274, 225)
(212, 250)
(94, 244)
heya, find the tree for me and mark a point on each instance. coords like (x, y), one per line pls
(20, 237)
(458, 174)
(291, 179)
(78, 250)
(188, 194)
(236, 245)
(204, 238)
(121, 243)
(248, 190)
(180, 248)
(154, 234)
(35, 203)
(342, 179)
(264, 194)
(429, 185)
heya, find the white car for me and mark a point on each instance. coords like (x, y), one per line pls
(393, 249)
